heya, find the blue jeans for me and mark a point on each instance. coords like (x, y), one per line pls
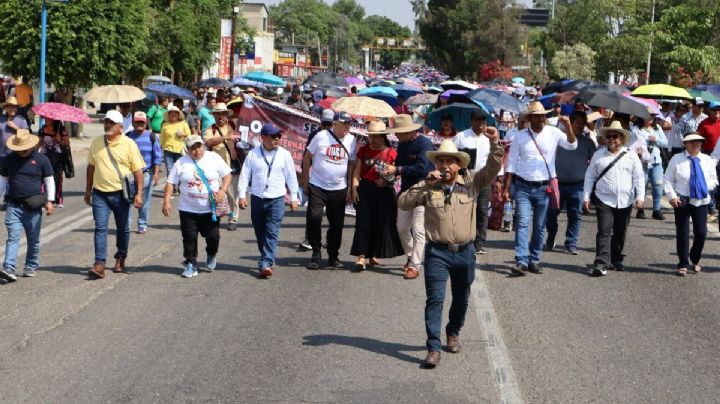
(654, 175)
(530, 201)
(18, 218)
(102, 204)
(266, 215)
(571, 196)
(439, 265)
(170, 159)
(144, 212)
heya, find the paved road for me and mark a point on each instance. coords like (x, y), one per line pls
(335, 336)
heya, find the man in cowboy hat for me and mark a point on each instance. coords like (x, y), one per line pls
(10, 123)
(221, 138)
(531, 170)
(449, 195)
(607, 187)
(412, 165)
(23, 173)
(104, 189)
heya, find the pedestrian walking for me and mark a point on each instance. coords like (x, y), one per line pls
(449, 195)
(112, 160)
(709, 129)
(531, 169)
(125, 109)
(202, 179)
(156, 114)
(222, 139)
(267, 172)
(55, 144)
(205, 115)
(688, 180)
(27, 176)
(172, 136)
(149, 146)
(613, 181)
(412, 166)
(570, 166)
(326, 168)
(655, 139)
(376, 234)
(10, 123)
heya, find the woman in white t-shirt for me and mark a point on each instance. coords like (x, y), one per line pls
(193, 174)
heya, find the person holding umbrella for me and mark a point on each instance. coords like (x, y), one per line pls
(654, 138)
(55, 145)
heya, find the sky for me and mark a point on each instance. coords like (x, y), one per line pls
(397, 10)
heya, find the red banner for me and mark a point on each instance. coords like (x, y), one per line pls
(225, 57)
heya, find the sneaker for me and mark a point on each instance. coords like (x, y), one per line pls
(190, 271)
(334, 262)
(534, 267)
(519, 270)
(618, 266)
(314, 261)
(550, 242)
(29, 273)
(232, 226)
(711, 218)
(142, 230)
(640, 214)
(211, 263)
(8, 275)
(60, 205)
(266, 273)
(480, 250)
(350, 210)
(598, 270)
(657, 215)
(572, 251)
(304, 246)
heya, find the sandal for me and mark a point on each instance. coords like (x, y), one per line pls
(411, 273)
(359, 266)
(374, 262)
(681, 272)
(696, 268)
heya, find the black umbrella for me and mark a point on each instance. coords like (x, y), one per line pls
(214, 82)
(618, 103)
(327, 79)
(589, 91)
(577, 85)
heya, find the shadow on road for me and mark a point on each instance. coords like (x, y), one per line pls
(391, 349)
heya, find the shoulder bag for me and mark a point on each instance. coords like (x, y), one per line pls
(219, 209)
(235, 164)
(129, 188)
(605, 171)
(552, 189)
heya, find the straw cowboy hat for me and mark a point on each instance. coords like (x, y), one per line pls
(221, 107)
(403, 123)
(536, 108)
(10, 101)
(377, 128)
(23, 140)
(448, 148)
(616, 126)
(172, 108)
(693, 137)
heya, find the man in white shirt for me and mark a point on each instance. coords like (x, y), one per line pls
(326, 168)
(531, 167)
(474, 142)
(270, 168)
(607, 186)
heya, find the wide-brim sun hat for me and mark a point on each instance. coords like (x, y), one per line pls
(403, 123)
(536, 108)
(377, 128)
(449, 149)
(22, 140)
(172, 108)
(11, 100)
(693, 137)
(616, 127)
(221, 107)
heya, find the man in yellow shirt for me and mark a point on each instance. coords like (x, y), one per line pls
(221, 138)
(109, 154)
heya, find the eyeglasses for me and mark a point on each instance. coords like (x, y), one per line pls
(278, 136)
(613, 136)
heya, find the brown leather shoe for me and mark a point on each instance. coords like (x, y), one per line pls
(453, 343)
(411, 272)
(98, 270)
(431, 360)
(119, 265)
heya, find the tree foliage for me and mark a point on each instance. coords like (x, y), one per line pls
(576, 61)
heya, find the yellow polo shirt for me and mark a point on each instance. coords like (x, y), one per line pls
(126, 154)
(169, 139)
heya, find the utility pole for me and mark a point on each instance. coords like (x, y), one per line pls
(235, 13)
(652, 35)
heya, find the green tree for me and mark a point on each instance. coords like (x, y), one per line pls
(576, 62)
(349, 8)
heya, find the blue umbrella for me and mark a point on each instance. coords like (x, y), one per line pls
(386, 94)
(461, 114)
(265, 77)
(496, 100)
(243, 82)
(407, 90)
(170, 90)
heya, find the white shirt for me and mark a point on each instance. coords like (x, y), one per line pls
(128, 123)
(255, 174)
(677, 177)
(467, 139)
(193, 192)
(716, 152)
(525, 160)
(330, 160)
(614, 189)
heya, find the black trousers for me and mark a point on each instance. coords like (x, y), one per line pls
(481, 215)
(682, 234)
(612, 228)
(193, 223)
(334, 204)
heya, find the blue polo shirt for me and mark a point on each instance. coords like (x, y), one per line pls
(25, 175)
(7, 131)
(413, 162)
(150, 151)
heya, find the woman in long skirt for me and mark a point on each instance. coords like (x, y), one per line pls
(376, 233)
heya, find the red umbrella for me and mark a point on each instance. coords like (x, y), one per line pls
(327, 102)
(61, 112)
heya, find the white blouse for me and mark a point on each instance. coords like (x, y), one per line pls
(677, 177)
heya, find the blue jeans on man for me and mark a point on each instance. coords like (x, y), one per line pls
(104, 203)
(144, 212)
(530, 201)
(18, 219)
(266, 216)
(440, 263)
(571, 197)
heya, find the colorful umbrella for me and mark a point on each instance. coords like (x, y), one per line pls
(61, 112)
(386, 94)
(364, 106)
(115, 94)
(243, 82)
(449, 93)
(496, 100)
(461, 114)
(457, 85)
(647, 102)
(170, 90)
(662, 91)
(706, 95)
(407, 90)
(265, 77)
(422, 99)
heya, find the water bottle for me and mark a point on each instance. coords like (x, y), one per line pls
(507, 216)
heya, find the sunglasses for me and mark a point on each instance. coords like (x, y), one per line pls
(613, 136)
(278, 136)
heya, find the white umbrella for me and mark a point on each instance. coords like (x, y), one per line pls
(115, 94)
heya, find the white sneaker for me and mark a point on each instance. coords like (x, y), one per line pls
(8, 275)
(29, 273)
(190, 271)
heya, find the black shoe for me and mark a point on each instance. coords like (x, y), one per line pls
(598, 270)
(480, 250)
(232, 226)
(304, 246)
(334, 262)
(550, 242)
(657, 215)
(640, 214)
(314, 261)
(535, 268)
(618, 266)
(519, 270)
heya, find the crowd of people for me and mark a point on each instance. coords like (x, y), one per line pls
(431, 204)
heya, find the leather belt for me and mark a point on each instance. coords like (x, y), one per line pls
(450, 247)
(532, 183)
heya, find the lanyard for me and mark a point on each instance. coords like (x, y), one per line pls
(269, 165)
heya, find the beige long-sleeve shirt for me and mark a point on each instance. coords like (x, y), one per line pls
(450, 218)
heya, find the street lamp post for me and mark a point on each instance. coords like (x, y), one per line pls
(43, 44)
